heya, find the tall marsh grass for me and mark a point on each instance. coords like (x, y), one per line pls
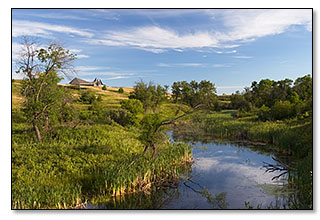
(75, 166)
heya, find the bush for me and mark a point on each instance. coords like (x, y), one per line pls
(120, 90)
(282, 110)
(264, 113)
(87, 97)
(104, 87)
(121, 116)
(132, 105)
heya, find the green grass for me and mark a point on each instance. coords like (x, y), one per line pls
(89, 163)
(80, 164)
(293, 136)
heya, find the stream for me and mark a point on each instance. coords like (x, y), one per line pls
(224, 175)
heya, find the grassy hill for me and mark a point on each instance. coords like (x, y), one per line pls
(87, 163)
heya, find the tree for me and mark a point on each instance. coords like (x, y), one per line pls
(303, 86)
(153, 128)
(40, 68)
(238, 101)
(149, 94)
(195, 93)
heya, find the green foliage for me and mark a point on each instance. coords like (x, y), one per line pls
(264, 113)
(87, 97)
(45, 102)
(80, 164)
(239, 102)
(282, 110)
(303, 87)
(151, 131)
(121, 116)
(195, 93)
(284, 100)
(150, 95)
(135, 110)
(104, 87)
(134, 106)
(120, 90)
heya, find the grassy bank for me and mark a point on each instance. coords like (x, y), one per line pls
(81, 164)
(87, 163)
(291, 136)
(288, 137)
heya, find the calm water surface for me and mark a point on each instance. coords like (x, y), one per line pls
(235, 171)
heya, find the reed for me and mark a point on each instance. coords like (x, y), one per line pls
(80, 165)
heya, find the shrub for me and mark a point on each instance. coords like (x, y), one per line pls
(282, 110)
(264, 113)
(121, 116)
(104, 87)
(120, 90)
(87, 97)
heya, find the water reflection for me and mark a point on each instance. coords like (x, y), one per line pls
(234, 169)
(224, 175)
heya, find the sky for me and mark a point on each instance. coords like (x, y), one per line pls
(229, 47)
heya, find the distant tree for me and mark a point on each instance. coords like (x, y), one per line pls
(238, 101)
(120, 90)
(40, 68)
(194, 93)
(104, 87)
(303, 87)
(149, 94)
(176, 91)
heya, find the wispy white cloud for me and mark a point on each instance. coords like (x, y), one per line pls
(239, 26)
(153, 37)
(117, 77)
(31, 28)
(249, 24)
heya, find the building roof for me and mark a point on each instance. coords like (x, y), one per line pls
(78, 81)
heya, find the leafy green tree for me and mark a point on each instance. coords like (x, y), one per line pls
(195, 93)
(104, 87)
(152, 132)
(303, 87)
(40, 68)
(238, 101)
(149, 94)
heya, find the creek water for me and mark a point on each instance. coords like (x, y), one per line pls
(223, 176)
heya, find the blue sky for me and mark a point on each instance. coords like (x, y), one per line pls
(231, 48)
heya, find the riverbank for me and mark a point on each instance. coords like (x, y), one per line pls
(290, 137)
(87, 164)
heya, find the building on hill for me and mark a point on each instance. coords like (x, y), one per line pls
(81, 82)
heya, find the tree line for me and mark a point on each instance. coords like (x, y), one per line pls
(276, 100)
